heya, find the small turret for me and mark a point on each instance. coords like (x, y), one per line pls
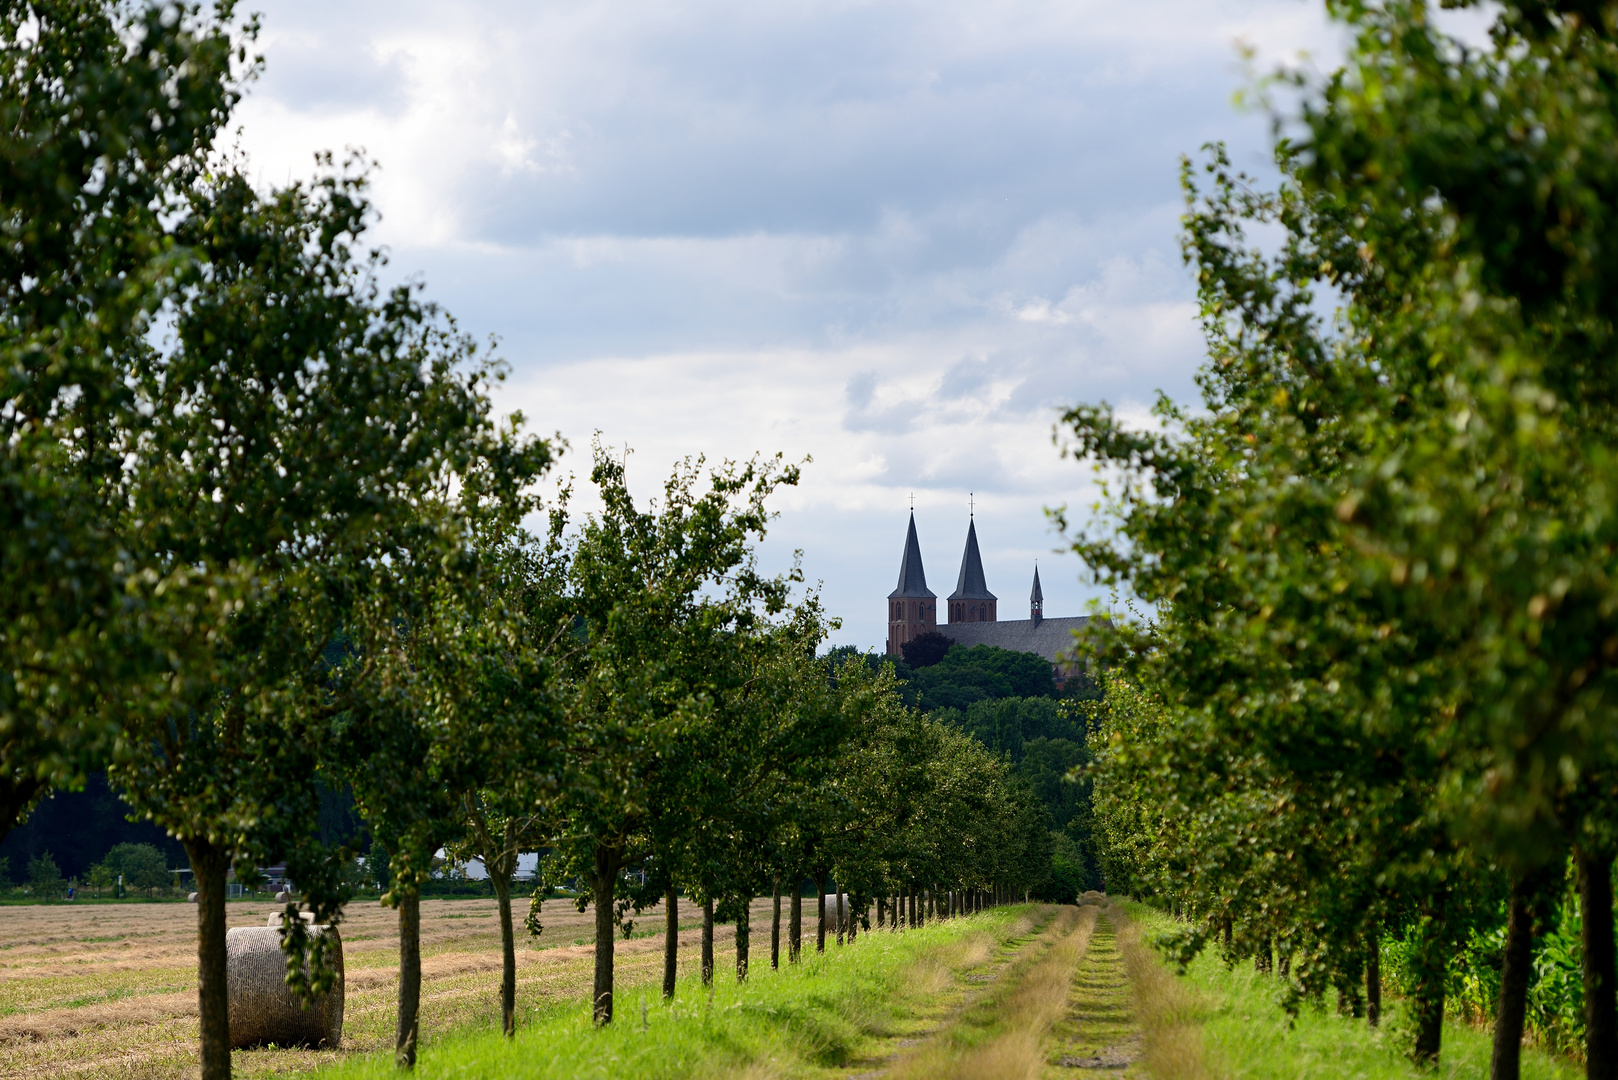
(1036, 600)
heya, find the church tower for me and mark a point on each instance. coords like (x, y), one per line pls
(972, 601)
(912, 607)
(1036, 601)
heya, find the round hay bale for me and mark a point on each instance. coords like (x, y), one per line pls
(282, 897)
(191, 898)
(262, 1009)
(277, 916)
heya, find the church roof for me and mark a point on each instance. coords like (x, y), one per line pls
(971, 585)
(1049, 638)
(1037, 596)
(912, 578)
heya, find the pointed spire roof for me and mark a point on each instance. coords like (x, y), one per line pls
(912, 578)
(971, 584)
(1038, 595)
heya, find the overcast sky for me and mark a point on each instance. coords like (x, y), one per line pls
(896, 237)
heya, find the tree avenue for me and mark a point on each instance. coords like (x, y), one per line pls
(273, 543)
(1370, 714)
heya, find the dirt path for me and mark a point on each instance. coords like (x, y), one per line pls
(1000, 1027)
(1085, 997)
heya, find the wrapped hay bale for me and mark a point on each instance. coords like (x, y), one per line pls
(262, 1009)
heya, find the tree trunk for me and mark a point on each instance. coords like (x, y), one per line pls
(853, 920)
(842, 917)
(820, 900)
(775, 929)
(881, 911)
(707, 941)
(1373, 981)
(1506, 1061)
(208, 864)
(671, 940)
(409, 1021)
(912, 903)
(508, 956)
(604, 888)
(795, 925)
(1600, 1004)
(744, 932)
(1428, 965)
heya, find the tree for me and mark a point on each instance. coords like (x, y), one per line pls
(925, 650)
(299, 422)
(108, 112)
(1392, 536)
(504, 736)
(44, 877)
(141, 866)
(654, 594)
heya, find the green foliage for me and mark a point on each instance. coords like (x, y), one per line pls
(925, 650)
(1373, 688)
(109, 112)
(1242, 1021)
(142, 866)
(979, 673)
(44, 878)
(1005, 725)
(1073, 870)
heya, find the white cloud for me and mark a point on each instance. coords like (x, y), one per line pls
(895, 235)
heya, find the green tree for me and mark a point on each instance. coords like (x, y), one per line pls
(1392, 535)
(44, 877)
(108, 111)
(141, 865)
(655, 594)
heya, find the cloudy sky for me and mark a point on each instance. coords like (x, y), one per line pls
(893, 236)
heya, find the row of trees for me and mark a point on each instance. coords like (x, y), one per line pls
(1375, 696)
(263, 538)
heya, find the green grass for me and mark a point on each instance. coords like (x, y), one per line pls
(1248, 1031)
(831, 1012)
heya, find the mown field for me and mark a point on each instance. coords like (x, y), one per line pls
(109, 990)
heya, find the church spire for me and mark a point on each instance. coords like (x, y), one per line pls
(912, 578)
(912, 607)
(1036, 600)
(972, 601)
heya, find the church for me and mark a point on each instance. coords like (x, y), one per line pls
(972, 610)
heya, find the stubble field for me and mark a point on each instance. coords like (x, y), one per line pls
(109, 990)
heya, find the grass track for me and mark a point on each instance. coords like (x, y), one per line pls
(1003, 1032)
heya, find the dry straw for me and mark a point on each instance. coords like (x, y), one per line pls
(262, 1009)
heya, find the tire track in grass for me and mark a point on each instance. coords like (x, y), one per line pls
(1003, 1030)
(1127, 1014)
(950, 980)
(1098, 1030)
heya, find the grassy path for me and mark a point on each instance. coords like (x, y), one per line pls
(1001, 1030)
